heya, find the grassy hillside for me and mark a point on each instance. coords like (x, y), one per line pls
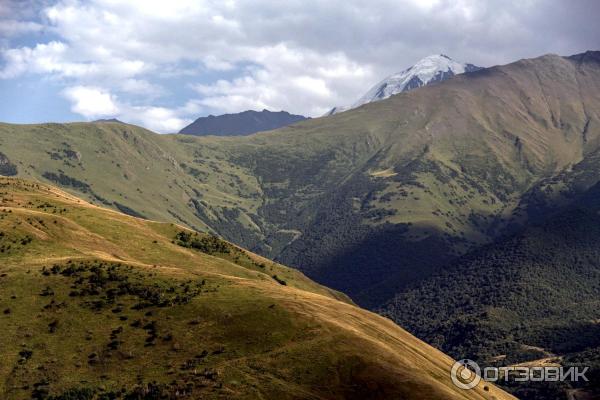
(99, 305)
(365, 201)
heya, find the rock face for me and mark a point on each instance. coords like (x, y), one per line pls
(243, 123)
(431, 69)
(6, 167)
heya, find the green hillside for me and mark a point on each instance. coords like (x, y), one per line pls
(99, 305)
(364, 201)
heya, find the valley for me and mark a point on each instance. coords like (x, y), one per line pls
(465, 211)
(468, 160)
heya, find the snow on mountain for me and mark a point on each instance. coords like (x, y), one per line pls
(435, 68)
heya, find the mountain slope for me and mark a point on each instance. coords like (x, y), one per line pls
(365, 201)
(527, 297)
(243, 123)
(433, 173)
(431, 69)
(97, 304)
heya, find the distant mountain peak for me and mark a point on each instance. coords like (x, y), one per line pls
(242, 123)
(109, 120)
(433, 68)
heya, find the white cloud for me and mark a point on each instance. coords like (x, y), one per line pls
(283, 82)
(94, 102)
(91, 102)
(123, 47)
(159, 119)
(11, 27)
(43, 58)
(141, 87)
(60, 60)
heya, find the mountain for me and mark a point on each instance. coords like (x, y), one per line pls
(243, 123)
(109, 120)
(372, 201)
(531, 296)
(431, 69)
(98, 304)
(367, 201)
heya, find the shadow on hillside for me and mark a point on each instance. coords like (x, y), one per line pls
(374, 267)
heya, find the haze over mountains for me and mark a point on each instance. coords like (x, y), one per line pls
(431, 69)
(390, 201)
(243, 123)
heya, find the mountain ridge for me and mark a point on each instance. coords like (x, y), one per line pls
(242, 123)
(444, 167)
(429, 70)
(372, 202)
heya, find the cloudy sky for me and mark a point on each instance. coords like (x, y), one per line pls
(162, 63)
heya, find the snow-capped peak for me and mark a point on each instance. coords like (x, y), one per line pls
(434, 68)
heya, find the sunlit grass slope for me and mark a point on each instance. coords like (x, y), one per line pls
(99, 305)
